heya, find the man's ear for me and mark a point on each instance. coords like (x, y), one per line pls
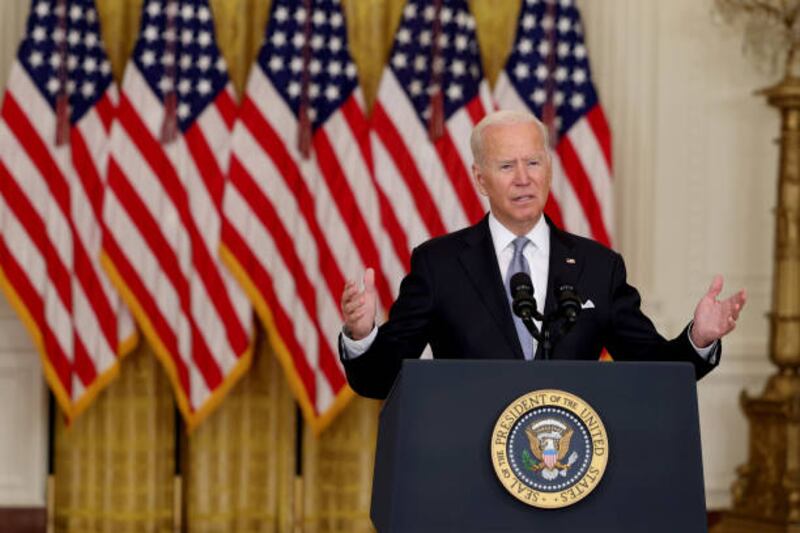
(478, 177)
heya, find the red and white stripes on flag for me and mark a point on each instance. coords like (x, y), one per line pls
(162, 211)
(431, 94)
(56, 116)
(548, 74)
(302, 213)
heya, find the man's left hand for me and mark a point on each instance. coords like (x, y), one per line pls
(713, 319)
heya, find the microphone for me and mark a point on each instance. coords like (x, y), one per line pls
(522, 301)
(569, 305)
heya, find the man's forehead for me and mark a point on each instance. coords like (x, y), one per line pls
(517, 126)
(510, 157)
(514, 148)
(513, 134)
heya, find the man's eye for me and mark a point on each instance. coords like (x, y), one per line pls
(533, 163)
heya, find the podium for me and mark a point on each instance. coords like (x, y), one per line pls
(434, 471)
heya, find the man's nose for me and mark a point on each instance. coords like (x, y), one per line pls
(522, 174)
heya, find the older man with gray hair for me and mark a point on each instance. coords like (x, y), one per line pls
(457, 297)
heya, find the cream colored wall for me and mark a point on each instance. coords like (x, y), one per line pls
(695, 170)
(12, 25)
(23, 396)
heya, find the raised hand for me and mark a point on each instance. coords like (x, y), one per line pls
(359, 307)
(713, 319)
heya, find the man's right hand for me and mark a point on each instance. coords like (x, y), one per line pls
(359, 307)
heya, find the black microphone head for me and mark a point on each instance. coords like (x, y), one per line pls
(522, 302)
(521, 285)
(569, 304)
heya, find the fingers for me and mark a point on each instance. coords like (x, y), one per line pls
(716, 287)
(741, 296)
(735, 303)
(354, 301)
(359, 306)
(349, 292)
(350, 308)
(358, 315)
(369, 280)
(351, 287)
(714, 318)
(730, 310)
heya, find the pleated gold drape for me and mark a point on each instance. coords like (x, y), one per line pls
(371, 24)
(114, 467)
(241, 461)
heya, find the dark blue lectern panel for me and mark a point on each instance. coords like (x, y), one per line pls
(433, 470)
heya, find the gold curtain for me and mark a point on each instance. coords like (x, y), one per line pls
(114, 467)
(240, 464)
(337, 472)
(370, 26)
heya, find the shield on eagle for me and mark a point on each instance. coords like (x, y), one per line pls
(549, 442)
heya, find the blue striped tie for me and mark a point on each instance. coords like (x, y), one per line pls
(520, 264)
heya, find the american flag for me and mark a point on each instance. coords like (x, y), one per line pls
(431, 94)
(548, 73)
(302, 212)
(56, 116)
(162, 212)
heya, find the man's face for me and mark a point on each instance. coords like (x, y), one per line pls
(515, 174)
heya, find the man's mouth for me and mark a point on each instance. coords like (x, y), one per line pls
(522, 198)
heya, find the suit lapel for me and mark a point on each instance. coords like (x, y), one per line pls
(564, 267)
(480, 263)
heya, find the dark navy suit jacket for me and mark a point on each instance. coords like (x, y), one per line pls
(454, 298)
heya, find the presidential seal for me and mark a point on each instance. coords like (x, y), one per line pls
(549, 448)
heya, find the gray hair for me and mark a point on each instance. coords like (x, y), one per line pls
(503, 117)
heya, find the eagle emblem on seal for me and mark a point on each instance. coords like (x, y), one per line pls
(549, 443)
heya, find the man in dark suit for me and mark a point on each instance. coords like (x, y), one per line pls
(456, 296)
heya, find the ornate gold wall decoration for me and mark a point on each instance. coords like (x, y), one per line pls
(766, 495)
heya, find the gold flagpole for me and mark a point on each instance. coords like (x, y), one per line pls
(298, 510)
(177, 496)
(51, 462)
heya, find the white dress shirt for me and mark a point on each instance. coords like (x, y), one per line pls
(537, 254)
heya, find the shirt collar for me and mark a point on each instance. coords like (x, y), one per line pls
(502, 237)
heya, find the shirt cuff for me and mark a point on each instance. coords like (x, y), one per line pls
(709, 353)
(353, 348)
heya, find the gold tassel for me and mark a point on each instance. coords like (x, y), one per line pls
(62, 118)
(169, 128)
(304, 130)
(436, 119)
(62, 100)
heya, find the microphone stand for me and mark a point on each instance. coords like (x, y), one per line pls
(524, 306)
(542, 336)
(545, 336)
(547, 344)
